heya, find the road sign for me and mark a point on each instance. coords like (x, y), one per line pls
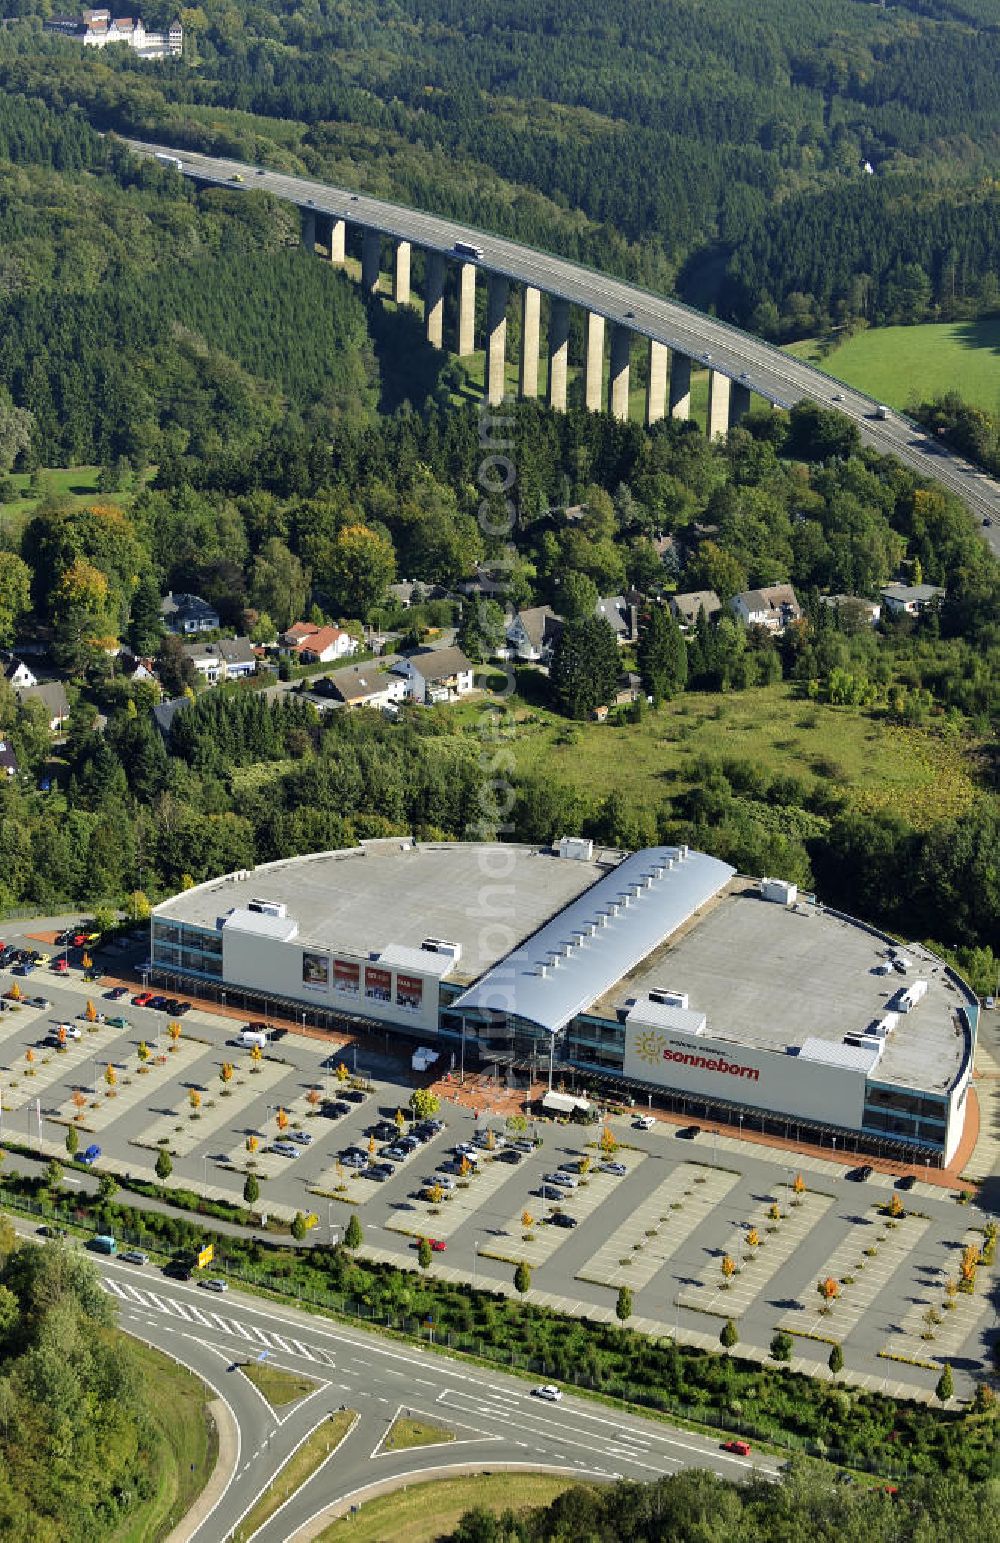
(206, 1256)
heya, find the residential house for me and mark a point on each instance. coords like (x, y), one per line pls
(687, 607)
(532, 634)
(188, 614)
(774, 606)
(164, 714)
(910, 599)
(239, 657)
(365, 685)
(135, 669)
(621, 616)
(297, 634)
(52, 695)
(16, 672)
(8, 760)
(436, 675)
(854, 609)
(206, 661)
(629, 688)
(327, 644)
(407, 592)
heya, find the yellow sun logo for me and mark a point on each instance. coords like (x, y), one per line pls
(649, 1046)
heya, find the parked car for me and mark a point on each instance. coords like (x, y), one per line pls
(115, 995)
(354, 1159)
(157, 1003)
(560, 1219)
(142, 999)
(616, 1168)
(643, 1122)
(333, 1110)
(63, 1031)
(689, 1132)
(379, 1172)
(182, 1008)
(397, 1153)
(46, 1230)
(303, 1137)
(284, 1148)
(741, 1448)
(523, 1145)
(443, 1179)
(383, 1130)
(355, 1095)
(907, 1181)
(508, 1155)
(859, 1175)
(91, 1155)
(566, 1180)
(438, 1245)
(214, 1284)
(549, 1392)
(42, 1003)
(134, 1256)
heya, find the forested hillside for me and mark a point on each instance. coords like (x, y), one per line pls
(652, 138)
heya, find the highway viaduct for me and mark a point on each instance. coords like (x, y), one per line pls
(678, 338)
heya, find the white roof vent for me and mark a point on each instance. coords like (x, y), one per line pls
(576, 848)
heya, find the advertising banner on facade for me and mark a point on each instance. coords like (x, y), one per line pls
(744, 1074)
(315, 971)
(409, 992)
(346, 976)
(378, 984)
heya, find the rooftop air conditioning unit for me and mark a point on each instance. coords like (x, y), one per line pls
(577, 848)
(669, 998)
(442, 946)
(268, 907)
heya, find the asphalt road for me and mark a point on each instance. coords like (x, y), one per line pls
(765, 369)
(495, 1419)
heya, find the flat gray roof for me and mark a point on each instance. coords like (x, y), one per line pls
(590, 945)
(776, 976)
(486, 898)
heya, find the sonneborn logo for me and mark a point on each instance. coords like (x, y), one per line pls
(716, 1063)
(650, 1047)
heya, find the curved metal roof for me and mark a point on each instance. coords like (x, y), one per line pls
(599, 937)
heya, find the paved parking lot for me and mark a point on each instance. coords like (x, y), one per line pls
(662, 1228)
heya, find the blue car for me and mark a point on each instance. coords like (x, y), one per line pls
(91, 1155)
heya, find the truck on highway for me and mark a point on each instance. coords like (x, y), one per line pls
(169, 160)
(882, 411)
(466, 249)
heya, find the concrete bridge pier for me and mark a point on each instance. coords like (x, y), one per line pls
(558, 353)
(656, 387)
(496, 338)
(371, 261)
(528, 366)
(401, 274)
(338, 240)
(739, 403)
(466, 309)
(593, 366)
(309, 229)
(434, 298)
(718, 405)
(621, 358)
(680, 386)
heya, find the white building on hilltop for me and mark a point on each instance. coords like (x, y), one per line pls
(99, 28)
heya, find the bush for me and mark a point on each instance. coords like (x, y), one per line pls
(781, 1346)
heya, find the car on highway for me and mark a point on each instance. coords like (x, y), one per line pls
(235, 177)
(741, 1448)
(214, 1284)
(549, 1392)
(90, 1156)
(284, 1148)
(618, 1169)
(46, 1230)
(838, 396)
(134, 1256)
(24, 968)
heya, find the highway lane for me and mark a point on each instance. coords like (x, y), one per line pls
(495, 1418)
(761, 367)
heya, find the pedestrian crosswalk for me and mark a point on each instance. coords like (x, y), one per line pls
(250, 1336)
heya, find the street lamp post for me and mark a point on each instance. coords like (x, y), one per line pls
(475, 1263)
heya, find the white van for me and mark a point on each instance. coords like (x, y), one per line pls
(248, 1038)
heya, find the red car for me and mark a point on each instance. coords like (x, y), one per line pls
(61, 967)
(78, 939)
(143, 998)
(741, 1448)
(437, 1246)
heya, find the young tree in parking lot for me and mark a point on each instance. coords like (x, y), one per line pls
(829, 1290)
(399, 1119)
(253, 1142)
(584, 1164)
(251, 1190)
(79, 1101)
(945, 1385)
(522, 1278)
(342, 1073)
(516, 1124)
(194, 1099)
(527, 1220)
(465, 1167)
(164, 1164)
(226, 1074)
(753, 1238)
(607, 1143)
(353, 1235)
(174, 1032)
(298, 1227)
(895, 1206)
(314, 1098)
(730, 1335)
(728, 1267)
(282, 1120)
(62, 1036)
(781, 1346)
(110, 1075)
(799, 1184)
(436, 1194)
(424, 1103)
(142, 1051)
(623, 1306)
(256, 1056)
(371, 1146)
(424, 1254)
(836, 1361)
(72, 1141)
(90, 1012)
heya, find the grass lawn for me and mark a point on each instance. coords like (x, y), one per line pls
(188, 1450)
(902, 365)
(278, 1387)
(878, 765)
(407, 1432)
(424, 1512)
(78, 483)
(300, 1467)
